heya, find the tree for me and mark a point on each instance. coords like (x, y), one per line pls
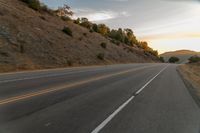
(77, 21)
(64, 11)
(173, 59)
(103, 29)
(162, 59)
(194, 59)
(85, 23)
(144, 45)
(95, 27)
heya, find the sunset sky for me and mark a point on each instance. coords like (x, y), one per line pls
(166, 25)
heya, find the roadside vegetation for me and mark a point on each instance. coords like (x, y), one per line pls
(191, 74)
(194, 59)
(117, 36)
(173, 59)
(67, 31)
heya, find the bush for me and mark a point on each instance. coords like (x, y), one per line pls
(44, 8)
(65, 18)
(162, 59)
(34, 4)
(103, 45)
(68, 31)
(173, 59)
(115, 42)
(85, 34)
(91, 31)
(194, 59)
(101, 56)
(70, 63)
(22, 49)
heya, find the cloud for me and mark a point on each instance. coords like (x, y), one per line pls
(101, 15)
(171, 36)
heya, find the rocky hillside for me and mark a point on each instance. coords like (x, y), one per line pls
(31, 39)
(183, 55)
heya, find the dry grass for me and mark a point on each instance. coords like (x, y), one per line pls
(46, 46)
(191, 73)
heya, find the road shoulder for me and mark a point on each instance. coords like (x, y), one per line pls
(189, 75)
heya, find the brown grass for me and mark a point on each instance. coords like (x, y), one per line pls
(191, 73)
(46, 46)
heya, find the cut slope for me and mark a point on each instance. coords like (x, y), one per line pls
(34, 40)
(183, 55)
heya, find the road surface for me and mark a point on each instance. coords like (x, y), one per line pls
(131, 98)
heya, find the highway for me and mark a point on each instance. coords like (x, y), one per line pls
(125, 98)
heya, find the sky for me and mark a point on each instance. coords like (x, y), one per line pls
(166, 25)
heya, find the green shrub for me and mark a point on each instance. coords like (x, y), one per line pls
(162, 59)
(173, 59)
(34, 4)
(194, 59)
(77, 21)
(67, 30)
(66, 18)
(115, 42)
(101, 56)
(103, 45)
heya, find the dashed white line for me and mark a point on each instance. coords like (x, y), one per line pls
(110, 117)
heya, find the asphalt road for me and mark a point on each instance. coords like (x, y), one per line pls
(131, 98)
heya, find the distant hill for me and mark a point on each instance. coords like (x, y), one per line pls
(31, 39)
(183, 55)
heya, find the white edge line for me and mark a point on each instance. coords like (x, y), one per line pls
(97, 129)
(150, 80)
(110, 117)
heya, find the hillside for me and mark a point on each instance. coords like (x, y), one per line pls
(183, 55)
(34, 40)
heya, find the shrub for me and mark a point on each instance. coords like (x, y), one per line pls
(68, 31)
(173, 59)
(194, 59)
(65, 18)
(101, 56)
(85, 34)
(70, 63)
(103, 45)
(95, 27)
(77, 21)
(115, 42)
(34, 4)
(162, 59)
(44, 8)
(21, 49)
(91, 31)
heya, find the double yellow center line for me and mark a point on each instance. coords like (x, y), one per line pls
(54, 89)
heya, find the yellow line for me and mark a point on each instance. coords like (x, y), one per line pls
(45, 91)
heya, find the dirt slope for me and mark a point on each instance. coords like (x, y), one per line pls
(33, 40)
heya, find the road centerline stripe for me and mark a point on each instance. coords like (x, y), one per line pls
(110, 117)
(54, 89)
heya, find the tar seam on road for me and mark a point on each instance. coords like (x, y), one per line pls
(110, 117)
(54, 89)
